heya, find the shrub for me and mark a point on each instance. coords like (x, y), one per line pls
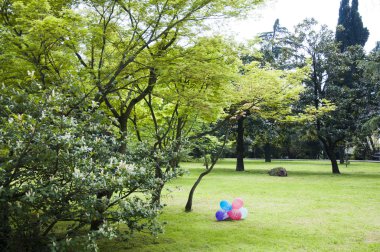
(55, 164)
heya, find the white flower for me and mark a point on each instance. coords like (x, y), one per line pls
(94, 104)
(66, 136)
(30, 194)
(130, 168)
(31, 73)
(142, 169)
(122, 165)
(77, 173)
(112, 160)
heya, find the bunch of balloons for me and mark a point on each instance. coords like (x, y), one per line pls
(234, 211)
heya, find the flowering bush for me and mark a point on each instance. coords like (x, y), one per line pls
(53, 166)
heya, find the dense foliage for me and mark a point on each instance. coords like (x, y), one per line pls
(96, 99)
(350, 30)
(100, 100)
(55, 164)
(339, 92)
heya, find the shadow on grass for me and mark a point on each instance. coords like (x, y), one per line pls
(303, 173)
(365, 175)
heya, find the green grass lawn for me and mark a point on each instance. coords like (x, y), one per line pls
(310, 210)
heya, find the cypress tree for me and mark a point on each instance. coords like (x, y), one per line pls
(341, 30)
(350, 30)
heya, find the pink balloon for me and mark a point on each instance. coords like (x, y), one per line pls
(237, 203)
(234, 214)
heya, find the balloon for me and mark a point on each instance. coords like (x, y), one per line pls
(221, 215)
(244, 212)
(237, 203)
(234, 211)
(234, 214)
(225, 205)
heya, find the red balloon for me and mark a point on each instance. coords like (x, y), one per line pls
(234, 214)
(237, 203)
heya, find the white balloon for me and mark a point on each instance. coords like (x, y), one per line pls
(244, 212)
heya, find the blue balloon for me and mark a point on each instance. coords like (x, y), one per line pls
(225, 205)
(220, 215)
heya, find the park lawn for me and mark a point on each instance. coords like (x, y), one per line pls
(310, 210)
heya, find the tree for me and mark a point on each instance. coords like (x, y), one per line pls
(369, 132)
(274, 54)
(276, 49)
(129, 59)
(328, 68)
(350, 30)
(264, 133)
(192, 92)
(266, 92)
(211, 150)
(102, 59)
(297, 143)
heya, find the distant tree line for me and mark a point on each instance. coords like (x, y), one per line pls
(341, 75)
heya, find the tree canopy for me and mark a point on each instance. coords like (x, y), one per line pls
(350, 29)
(95, 98)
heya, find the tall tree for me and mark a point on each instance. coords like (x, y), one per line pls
(350, 30)
(276, 53)
(328, 68)
(266, 92)
(191, 93)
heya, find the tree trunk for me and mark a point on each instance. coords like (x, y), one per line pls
(240, 145)
(341, 154)
(122, 119)
(174, 163)
(99, 220)
(334, 165)
(268, 152)
(330, 150)
(189, 203)
(156, 196)
(371, 146)
(214, 160)
(5, 228)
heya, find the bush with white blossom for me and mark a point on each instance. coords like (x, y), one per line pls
(52, 166)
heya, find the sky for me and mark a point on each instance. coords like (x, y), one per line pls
(292, 12)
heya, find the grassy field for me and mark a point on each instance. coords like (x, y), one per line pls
(310, 210)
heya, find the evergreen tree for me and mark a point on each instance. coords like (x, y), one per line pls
(350, 30)
(327, 83)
